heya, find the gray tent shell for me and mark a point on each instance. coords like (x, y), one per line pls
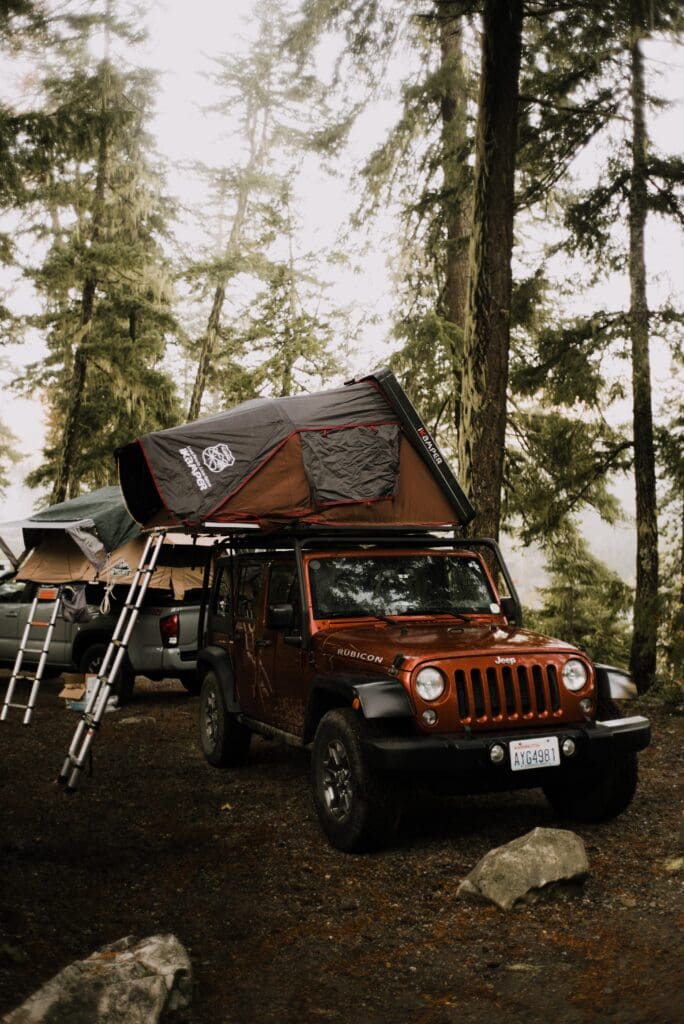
(356, 455)
(98, 523)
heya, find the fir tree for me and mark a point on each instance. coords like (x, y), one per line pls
(289, 340)
(487, 334)
(584, 602)
(93, 196)
(587, 101)
(254, 198)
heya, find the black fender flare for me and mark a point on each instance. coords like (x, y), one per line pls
(217, 660)
(378, 697)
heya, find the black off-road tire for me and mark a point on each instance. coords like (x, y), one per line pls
(356, 808)
(604, 794)
(191, 682)
(90, 663)
(223, 738)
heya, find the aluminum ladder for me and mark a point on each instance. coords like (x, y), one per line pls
(34, 678)
(97, 701)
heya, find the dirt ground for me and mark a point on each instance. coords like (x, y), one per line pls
(280, 927)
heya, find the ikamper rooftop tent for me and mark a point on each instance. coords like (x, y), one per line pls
(353, 457)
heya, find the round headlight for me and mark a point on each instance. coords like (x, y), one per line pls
(430, 683)
(574, 674)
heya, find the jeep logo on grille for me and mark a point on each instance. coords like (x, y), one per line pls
(505, 661)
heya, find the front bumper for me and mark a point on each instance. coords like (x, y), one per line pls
(466, 756)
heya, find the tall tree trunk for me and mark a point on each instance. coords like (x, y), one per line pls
(455, 193)
(207, 349)
(487, 331)
(643, 652)
(290, 340)
(65, 484)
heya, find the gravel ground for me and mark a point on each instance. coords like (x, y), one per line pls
(280, 927)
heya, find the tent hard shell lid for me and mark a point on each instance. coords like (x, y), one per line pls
(352, 457)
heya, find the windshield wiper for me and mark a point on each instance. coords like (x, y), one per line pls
(366, 612)
(438, 611)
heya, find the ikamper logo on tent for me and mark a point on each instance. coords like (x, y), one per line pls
(192, 462)
(216, 458)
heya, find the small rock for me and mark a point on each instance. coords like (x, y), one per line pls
(674, 864)
(522, 868)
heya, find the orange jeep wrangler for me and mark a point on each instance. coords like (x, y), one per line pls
(395, 657)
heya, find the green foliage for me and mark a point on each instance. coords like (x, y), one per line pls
(93, 202)
(9, 456)
(585, 603)
(292, 346)
(670, 442)
(556, 465)
(431, 348)
(276, 107)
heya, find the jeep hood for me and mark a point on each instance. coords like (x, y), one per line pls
(376, 644)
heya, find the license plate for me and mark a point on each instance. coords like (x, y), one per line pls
(540, 752)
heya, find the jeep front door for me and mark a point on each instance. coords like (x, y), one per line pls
(281, 659)
(252, 684)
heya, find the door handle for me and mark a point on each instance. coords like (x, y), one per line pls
(262, 643)
(12, 615)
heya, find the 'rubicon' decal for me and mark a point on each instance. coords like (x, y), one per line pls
(347, 652)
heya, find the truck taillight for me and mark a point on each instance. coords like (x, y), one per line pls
(169, 627)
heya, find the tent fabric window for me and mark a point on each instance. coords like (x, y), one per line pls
(351, 464)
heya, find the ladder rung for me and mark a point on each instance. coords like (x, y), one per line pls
(28, 677)
(36, 622)
(21, 707)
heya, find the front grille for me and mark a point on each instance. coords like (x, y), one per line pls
(500, 692)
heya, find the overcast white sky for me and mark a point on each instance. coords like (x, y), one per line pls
(182, 38)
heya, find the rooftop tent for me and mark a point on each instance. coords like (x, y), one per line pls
(353, 456)
(93, 538)
(97, 523)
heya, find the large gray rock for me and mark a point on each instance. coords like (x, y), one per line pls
(521, 868)
(127, 982)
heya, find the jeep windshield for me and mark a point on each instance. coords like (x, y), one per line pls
(345, 586)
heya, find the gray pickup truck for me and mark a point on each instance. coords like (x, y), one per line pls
(163, 643)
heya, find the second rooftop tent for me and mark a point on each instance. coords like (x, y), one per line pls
(93, 539)
(357, 456)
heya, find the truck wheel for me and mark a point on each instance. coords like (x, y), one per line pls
(604, 794)
(224, 739)
(191, 682)
(355, 810)
(90, 663)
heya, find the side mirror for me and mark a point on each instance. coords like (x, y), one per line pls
(280, 616)
(510, 609)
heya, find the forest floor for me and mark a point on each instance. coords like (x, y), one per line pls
(280, 927)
